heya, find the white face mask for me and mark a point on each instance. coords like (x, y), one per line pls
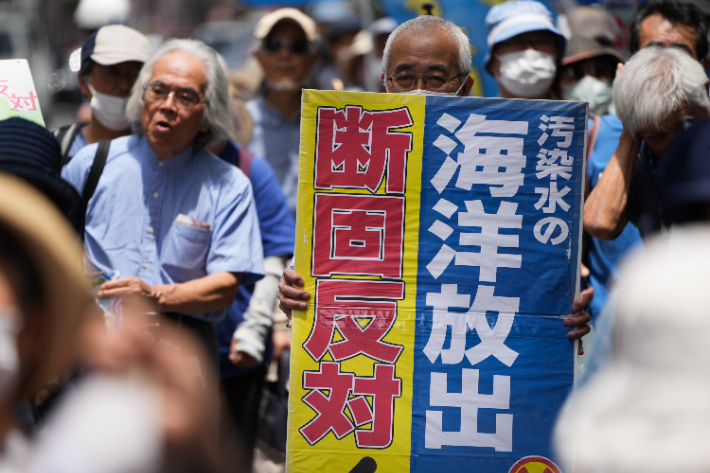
(429, 93)
(528, 73)
(9, 358)
(109, 110)
(590, 89)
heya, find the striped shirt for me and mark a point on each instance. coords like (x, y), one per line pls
(132, 223)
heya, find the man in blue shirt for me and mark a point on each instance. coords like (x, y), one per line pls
(177, 223)
(245, 336)
(285, 47)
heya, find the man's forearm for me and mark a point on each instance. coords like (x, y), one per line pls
(212, 292)
(251, 333)
(605, 208)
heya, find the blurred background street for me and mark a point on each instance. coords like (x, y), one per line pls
(48, 32)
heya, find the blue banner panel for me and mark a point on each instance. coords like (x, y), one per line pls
(499, 235)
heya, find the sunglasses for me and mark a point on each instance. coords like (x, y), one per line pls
(275, 43)
(600, 67)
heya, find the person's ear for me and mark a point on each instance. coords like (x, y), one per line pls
(83, 86)
(467, 86)
(384, 81)
(256, 54)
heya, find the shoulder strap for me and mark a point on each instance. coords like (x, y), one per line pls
(95, 173)
(66, 135)
(244, 158)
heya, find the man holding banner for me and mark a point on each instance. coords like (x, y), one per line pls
(426, 360)
(409, 61)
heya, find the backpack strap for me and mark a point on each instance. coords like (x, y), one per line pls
(65, 136)
(97, 167)
(244, 159)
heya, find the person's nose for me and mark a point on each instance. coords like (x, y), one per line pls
(125, 85)
(420, 84)
(169, 102)
(284, 51)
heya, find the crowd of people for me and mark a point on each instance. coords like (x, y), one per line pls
(185, 196)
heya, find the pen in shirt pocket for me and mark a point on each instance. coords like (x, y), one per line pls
(183, 219)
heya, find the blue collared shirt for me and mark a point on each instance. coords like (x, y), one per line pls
(276, 138)
(278, 239)
(131, 220)
(78, 144)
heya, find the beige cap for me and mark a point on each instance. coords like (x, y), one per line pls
(268, 21)
(594, 23)
(55, 251)
(580, 48)
(114, 44)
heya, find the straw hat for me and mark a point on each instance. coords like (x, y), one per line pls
(55, 251)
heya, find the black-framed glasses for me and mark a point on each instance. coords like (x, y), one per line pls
(185, 99)
(434, 82)
(275, 43)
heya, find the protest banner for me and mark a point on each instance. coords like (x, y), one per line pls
(440, 239)
(18, 96)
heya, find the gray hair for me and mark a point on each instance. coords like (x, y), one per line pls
(423, 25)
(656, 83)
(217, 111)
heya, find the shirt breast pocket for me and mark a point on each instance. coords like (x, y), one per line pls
(184, 254)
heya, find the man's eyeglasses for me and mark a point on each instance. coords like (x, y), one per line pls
(185, 99)
(275, 43)
(404, 82)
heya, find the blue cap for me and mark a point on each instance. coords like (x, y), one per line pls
(513, 18)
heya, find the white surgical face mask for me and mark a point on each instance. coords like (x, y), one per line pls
(429, 93)
(109, 110)
(590, 89)
(527, 73)
(10, 320)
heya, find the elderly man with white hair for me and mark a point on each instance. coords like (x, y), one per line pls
(428, 56)
(175, 222)
(657, 93)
